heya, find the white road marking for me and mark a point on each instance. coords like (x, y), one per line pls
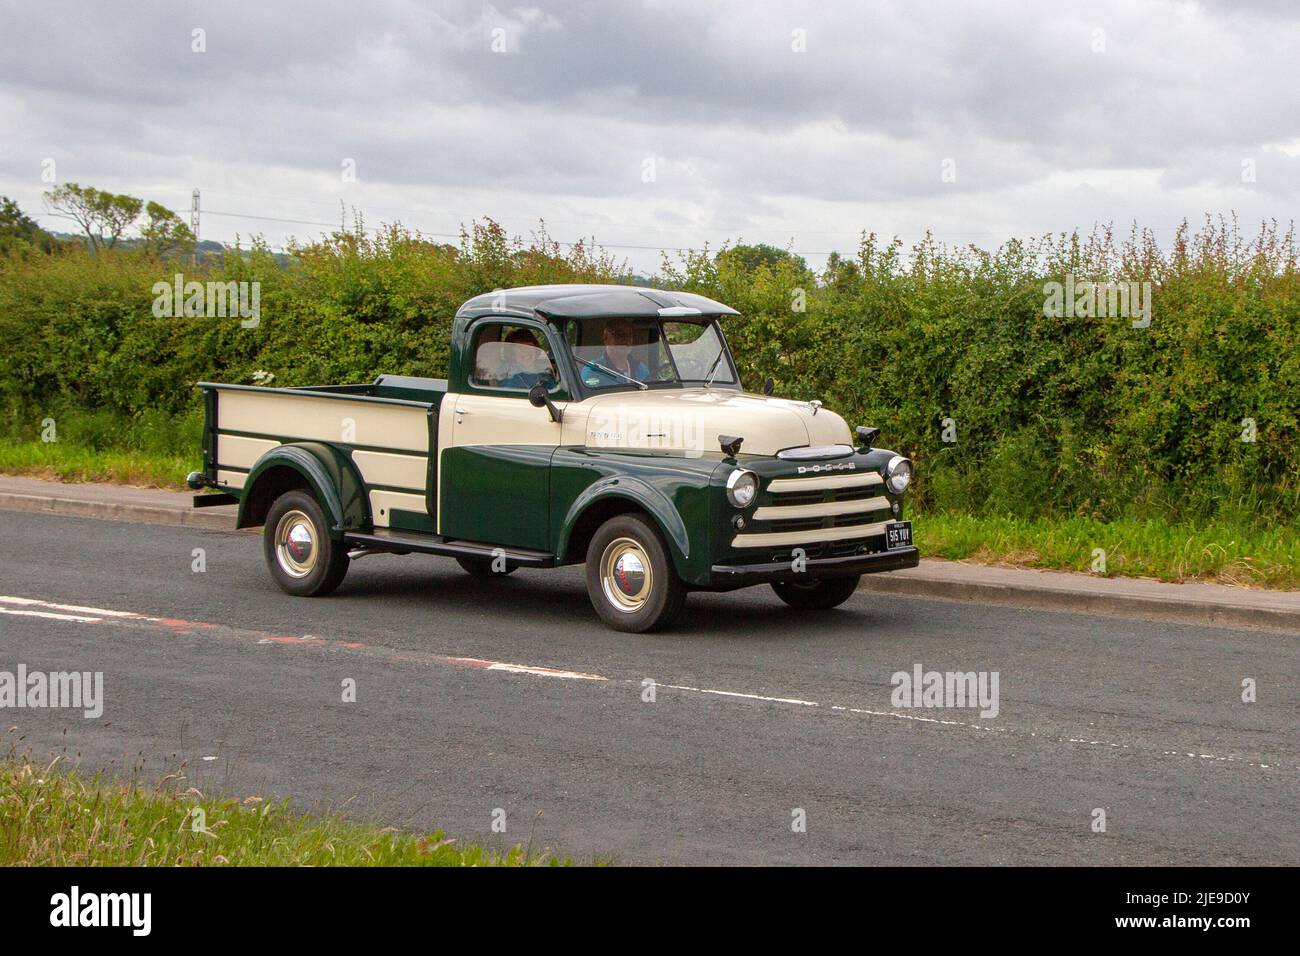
(735, 693)
(83, 616)
(78, 618)
(542, 671)
(97, 611)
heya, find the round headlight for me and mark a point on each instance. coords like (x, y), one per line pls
(899, 474)
(741, 488)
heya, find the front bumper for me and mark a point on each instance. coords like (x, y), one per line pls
(727, 577)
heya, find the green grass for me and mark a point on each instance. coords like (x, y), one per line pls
(52, 818)
(1213, 551)
(62, 461)
(146, 450)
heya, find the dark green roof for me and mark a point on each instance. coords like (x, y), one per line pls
(592, 301)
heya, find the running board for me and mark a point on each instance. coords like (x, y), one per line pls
(450, 548)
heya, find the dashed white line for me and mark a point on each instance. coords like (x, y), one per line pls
(93, 615)
(78, 618)
(542, 671)
(98, 612)
(734, 693)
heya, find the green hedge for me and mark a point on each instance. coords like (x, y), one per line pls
(1052, 415)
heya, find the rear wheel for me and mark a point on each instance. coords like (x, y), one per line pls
(818, 595)
(630, 576)
(482, 567)
(303, 558)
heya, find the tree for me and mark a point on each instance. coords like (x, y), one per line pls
(750, 257)
(16, 227)
(164, 232)
(103, 216)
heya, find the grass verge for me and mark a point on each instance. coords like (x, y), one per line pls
(53, 818)
(63, 462)
(1215, 551)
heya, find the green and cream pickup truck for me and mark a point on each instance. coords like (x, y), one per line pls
(602, 424)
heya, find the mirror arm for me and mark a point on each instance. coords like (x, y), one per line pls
(539, 396)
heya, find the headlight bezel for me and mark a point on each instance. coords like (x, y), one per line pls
(735, 488)
(898, 468)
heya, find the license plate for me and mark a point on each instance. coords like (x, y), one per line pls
(898, 535)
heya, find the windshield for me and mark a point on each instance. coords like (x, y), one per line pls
(639, 353)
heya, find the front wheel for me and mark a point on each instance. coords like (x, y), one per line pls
(819, 595)
(303, 558)
(630, 576)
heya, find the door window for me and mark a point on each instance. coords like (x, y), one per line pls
(511, 357)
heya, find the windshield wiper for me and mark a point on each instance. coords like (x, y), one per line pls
(708, 379)
(627, 378)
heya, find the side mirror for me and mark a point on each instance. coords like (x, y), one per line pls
(769, 386)
(539, 396)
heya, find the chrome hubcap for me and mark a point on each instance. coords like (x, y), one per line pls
(625, 575)
(295, 544)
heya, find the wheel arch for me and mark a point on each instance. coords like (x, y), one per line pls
(327, 472)
(611, 497)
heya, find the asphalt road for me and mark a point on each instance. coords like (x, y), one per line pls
(243, 684)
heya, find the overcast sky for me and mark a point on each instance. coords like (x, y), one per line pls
(662, 123)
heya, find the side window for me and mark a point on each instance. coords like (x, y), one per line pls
(512, 357)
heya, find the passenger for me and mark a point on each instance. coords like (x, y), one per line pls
(526, 362)
(617, 356)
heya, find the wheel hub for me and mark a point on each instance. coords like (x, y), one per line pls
(625, 574)
(295, 544)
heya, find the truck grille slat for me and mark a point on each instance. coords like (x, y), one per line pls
(836, 513)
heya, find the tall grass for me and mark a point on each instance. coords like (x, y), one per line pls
(49, 817)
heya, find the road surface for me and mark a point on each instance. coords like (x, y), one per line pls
(476, 696)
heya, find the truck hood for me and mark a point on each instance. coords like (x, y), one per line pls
(691, 419)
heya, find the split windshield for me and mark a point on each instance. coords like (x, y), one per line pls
(628, 353)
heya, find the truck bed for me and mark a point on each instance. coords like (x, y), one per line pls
(387, 428)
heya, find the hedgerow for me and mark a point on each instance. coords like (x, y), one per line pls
(946, 350)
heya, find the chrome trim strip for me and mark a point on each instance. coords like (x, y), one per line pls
(815, 536)
(779, 512)
(814, 452)
(861, 479)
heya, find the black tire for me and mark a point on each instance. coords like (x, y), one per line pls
(304, 560)
(482, 567)
(818, 595)
(627, 546)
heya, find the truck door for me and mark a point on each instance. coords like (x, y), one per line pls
(496, 464)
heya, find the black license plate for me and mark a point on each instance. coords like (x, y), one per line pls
(898, 535)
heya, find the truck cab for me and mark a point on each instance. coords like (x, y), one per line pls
(596, 424)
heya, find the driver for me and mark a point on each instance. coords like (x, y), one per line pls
(617, 355)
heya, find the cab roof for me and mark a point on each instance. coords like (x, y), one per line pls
(577, 301)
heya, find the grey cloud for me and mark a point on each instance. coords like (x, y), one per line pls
(739, 123)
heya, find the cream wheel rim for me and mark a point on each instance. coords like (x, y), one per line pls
(295, 544)
(625, 575)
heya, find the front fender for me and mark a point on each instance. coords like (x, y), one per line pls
(326, 470)
(647, 497)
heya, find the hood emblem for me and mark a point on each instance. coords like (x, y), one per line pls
(814, 405)
(846, 466)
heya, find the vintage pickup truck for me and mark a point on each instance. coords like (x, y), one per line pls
(603, 424)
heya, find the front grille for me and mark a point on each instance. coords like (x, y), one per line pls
(831, 514)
